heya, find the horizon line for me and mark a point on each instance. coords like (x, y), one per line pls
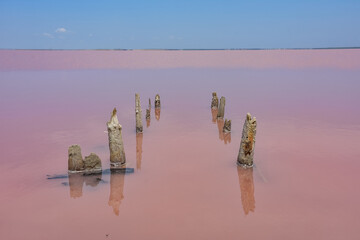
(171, 49)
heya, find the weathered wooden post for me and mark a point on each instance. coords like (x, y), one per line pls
(138, 114)
(214, 101)
(227, 126)
(92, 163)
(147, 113)
(247, 145)
(116, 146)
(147, 117)
(75, 159)
(221, 111)
(157, 101)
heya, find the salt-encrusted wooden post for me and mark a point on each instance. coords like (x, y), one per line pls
(147, 117)
(157, 101)
(147, 114)
(75, 159)
(214, 101)
(92, 163)
(149, 103)
(247, 145)
(227, 126)
(221, 111)
(116, 146)
(138, 114)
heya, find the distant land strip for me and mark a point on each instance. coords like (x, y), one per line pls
(295, 58)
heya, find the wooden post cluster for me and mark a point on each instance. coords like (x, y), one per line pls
(76, 163)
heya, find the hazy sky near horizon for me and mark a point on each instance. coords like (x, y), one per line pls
(194, 24)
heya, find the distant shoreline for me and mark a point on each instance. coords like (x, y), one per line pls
(175, 49)
(58, 59)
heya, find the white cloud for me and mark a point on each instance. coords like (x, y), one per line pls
(60, 30)
(48, 35)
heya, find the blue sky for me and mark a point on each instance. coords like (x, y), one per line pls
(147, 24)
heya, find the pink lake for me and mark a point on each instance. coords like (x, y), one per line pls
(186, 183)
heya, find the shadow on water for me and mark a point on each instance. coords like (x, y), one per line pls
(139, 140)
(77, 180)
(116, 191)
(246, 182)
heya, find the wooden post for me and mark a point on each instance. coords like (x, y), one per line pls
(157, 101)
(214, 101)
(75, 159)
(247, 145)
(116, 146)
(221, 111)
(138, 113)
(227, 126)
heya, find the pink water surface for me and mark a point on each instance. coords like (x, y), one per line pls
(186, 183)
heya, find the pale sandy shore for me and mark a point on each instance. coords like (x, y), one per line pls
(145, 59)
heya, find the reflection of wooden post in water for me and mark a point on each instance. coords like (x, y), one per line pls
(116, 191)
(76, 182)
(139, 140)
(157, 114)
(246, 182)
(220, 124)
(227, 138)
(93, 179)
(214, 113)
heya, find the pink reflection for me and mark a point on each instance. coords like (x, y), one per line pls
(157, 113)
(246, 183)
(139, 140)
(116, 191)
(306, 119)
